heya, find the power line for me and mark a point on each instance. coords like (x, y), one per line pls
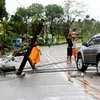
(20, 3)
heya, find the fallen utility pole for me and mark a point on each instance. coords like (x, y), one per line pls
(7, 69)
(31, 45)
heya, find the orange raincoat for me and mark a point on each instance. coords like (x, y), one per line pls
(35, 54)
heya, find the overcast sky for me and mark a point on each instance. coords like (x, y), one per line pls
(93, 5)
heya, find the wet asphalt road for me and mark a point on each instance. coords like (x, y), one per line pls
(43, 86)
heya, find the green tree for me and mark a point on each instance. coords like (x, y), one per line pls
(3, 12)
(73, 10)
(6, 27)
(35, 10)
(18, 24)
(88, 27)
(53, 14)
(24, 16)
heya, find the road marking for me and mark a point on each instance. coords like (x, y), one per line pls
(63, 74)
(50, 58)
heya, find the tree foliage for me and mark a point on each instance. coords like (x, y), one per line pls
(3, 12)
(58, 19)
(73, 10)
(18, 24)
(35, 10)
(53, 13)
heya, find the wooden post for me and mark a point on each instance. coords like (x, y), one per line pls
(31, 45)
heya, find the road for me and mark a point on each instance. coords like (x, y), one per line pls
(54, 80)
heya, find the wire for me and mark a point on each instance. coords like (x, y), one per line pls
(20, 3)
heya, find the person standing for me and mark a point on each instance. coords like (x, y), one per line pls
(69, 48)
(74, 39)
(49, 42)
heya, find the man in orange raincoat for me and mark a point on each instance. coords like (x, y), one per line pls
(35, 55)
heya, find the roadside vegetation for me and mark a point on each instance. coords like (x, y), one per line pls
(58, 19)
